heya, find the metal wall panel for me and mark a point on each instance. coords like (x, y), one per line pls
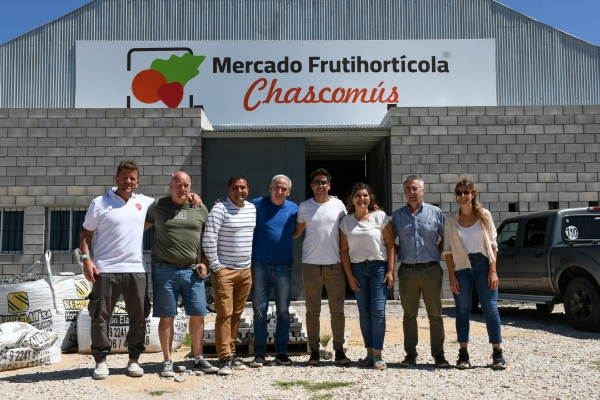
(536, 64)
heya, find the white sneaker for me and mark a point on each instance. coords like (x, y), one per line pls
(134, 370)
(101, 371)
(167, 371)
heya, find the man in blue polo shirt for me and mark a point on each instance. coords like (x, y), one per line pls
(272, 261)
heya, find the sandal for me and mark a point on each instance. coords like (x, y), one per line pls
(368, 362)
(379, 364)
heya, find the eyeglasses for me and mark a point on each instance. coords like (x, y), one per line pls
(459, 193)
(320, 183)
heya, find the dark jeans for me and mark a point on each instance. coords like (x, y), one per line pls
(477, 275)
(105, 294)
(278, 277)
(371, 300)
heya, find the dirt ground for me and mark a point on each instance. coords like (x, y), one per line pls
(151, 362)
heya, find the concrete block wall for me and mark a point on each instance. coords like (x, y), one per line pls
(528, 156)
(65, 158)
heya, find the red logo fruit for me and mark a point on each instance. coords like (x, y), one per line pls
(139, 206)
(171, 94)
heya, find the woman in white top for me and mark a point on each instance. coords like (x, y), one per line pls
(470, 250)
(368, 253)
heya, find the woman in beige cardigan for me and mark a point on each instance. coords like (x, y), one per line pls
(470, 250)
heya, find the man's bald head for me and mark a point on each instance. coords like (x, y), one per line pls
(180, 186)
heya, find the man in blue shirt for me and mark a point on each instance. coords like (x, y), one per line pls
(272, 261)
(419, 228)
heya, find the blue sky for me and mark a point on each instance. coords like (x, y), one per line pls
(576, 17)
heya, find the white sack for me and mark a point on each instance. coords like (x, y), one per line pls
(119, 326)
(21, 334)
(71, 295)
(27, 357)
(33, 303)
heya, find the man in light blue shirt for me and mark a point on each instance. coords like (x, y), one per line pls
(419, 228)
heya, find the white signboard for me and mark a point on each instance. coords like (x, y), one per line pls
(310, 82)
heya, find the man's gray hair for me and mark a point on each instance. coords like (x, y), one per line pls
(414, 178)
(281, 176)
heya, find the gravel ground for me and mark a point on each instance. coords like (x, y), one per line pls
(547, 359)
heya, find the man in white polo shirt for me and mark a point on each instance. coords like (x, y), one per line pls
(118, 267)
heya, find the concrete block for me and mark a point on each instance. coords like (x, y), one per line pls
(76, 132)
(409, 140)
(526, 139)
(448, 120)
(573, 109)
(574, 148)
(567, 177)
(508, 177)
(419, 112)
(545, 139)
(534, 129)
(428, 121)
(535, 167)
(525, 120)
(173, 131)
(555, 148)
(587, 177)
(476, 130)
(115, 132)
(419, 130)
(163, 122)
(144, 122)
(584, 119)
(182, 122)
(457, 111)
(524, 196)
(86, 123)
(134, 113)
(497, 149)
(438, 149)
(152, 132)
(486, 120)
(553, 129)
(393, 112)
(566, 158)
(96, 113)
(591, 128)
(588, 196)
(124, 122)
(544, 119)
(438, 130)
(591, 109)
(476, 110)
(467, 120)
(512, 110)
(47, 123)
(553, 110)
(153, 151)
(515, 168)
(585, 138)
(564, 119)
(395, 131)
(534, 110)
(515, 129)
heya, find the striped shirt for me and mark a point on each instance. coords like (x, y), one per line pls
(227, 239)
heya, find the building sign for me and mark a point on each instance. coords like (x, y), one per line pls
(310, 82)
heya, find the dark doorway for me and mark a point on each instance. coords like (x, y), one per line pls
(344, 174)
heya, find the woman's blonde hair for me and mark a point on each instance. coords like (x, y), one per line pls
(475, 203)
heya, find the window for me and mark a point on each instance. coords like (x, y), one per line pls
(507, 235)
(12, 222)
(148, 239)
(553, 205)
(593, 203)
(535, 232)
(581, 227)
(513, 207)
(63, 229)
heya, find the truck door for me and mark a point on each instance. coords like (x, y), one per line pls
(505, 265)
(531, 258)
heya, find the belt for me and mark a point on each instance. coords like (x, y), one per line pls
(419, 265)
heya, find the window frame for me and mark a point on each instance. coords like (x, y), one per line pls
(3, 210)
(48, 235)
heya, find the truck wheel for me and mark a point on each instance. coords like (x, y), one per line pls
(582, 305)
(545, 308)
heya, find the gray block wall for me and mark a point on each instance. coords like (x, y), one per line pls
(528, 156)
(66, 157)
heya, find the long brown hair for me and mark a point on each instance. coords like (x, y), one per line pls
(372, 199)
(475, 203)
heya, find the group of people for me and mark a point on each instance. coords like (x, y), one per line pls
(248, 246)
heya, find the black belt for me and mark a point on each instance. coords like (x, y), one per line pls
(419, 265)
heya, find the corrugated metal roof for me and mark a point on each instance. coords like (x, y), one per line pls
(536, 64)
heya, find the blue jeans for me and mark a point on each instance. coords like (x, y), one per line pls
(168, 282)
(478, 275)
(371, 300)
(278, 277)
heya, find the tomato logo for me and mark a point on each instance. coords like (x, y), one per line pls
(138, 206)
(165, 79)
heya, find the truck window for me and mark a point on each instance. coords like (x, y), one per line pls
(581, 227)
(507, 235)
(535, 232)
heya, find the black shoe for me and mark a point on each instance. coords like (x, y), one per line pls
(463, 359)
(409, 361)
(237, 364)
(282, 359)
(498, 359)
(258, 361)
(314, 358)
(440, 361)
(205, 366)
(225, 367)
(341, 359)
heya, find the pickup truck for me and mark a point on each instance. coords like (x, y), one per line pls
(553, 257)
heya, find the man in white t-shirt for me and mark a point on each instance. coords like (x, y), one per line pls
(118, 267)
(321, 263)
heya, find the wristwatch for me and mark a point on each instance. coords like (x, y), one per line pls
(84, 256)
